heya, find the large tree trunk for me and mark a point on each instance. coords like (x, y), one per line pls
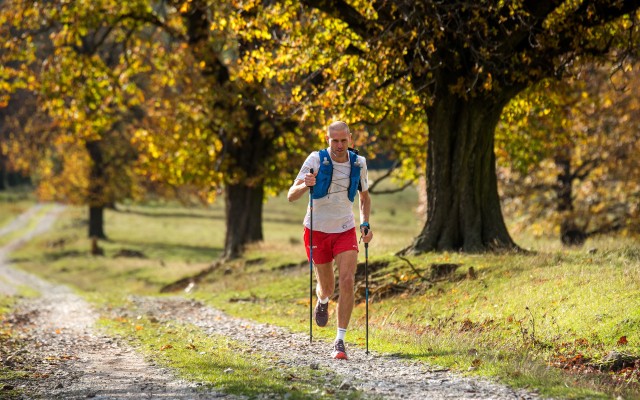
(463, 210)
(96, 195)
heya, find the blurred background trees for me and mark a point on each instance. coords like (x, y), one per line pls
(568, 153)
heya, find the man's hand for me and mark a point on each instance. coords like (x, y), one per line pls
(310, 178)
(365, 231)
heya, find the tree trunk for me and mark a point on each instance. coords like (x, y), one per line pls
(564, 188)
(570, 233)
(3, 173)
(96, 222)
(96, 194)
(244, 197)
(463, 207)
(243, 218)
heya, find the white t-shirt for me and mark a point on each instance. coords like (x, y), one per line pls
(334, 212)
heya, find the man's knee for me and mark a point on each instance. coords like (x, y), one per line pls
(347, 283)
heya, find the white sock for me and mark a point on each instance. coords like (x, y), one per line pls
(341, 334)
(320, 299)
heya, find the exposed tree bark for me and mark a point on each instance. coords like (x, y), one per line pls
(96, 194)
(463, 208)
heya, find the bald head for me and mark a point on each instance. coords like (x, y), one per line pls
(338, 126)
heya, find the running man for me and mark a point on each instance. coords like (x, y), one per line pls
(339, 173)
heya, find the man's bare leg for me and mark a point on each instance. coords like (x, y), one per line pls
(346, 262)
(326, 280)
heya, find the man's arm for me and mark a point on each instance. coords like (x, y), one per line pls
(365, 210)
(301, 187)
(297, 190)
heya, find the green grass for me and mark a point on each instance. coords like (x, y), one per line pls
(13, 202)
(218, 361)
(521, 313)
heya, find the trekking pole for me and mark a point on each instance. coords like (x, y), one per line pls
(311, 263)
(366, 289)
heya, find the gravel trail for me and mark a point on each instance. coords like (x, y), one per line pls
(74, 360)
(69, 356)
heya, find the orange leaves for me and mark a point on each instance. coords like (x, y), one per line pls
(622, 341)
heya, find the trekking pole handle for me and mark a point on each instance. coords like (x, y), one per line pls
(311, 187)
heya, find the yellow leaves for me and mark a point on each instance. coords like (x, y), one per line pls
(297, 94)
(488, 83)
(544, 111)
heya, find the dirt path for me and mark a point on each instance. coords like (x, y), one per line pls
(71, 359)
(74, 360)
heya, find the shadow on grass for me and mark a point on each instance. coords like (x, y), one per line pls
(164, 214)
(424, 355)
(160, 250)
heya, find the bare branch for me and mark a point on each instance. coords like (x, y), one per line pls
(391, 191)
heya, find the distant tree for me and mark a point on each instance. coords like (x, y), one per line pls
(573, 147)
(226, 134)
(466, 60)
(84, 82)
(15, 84)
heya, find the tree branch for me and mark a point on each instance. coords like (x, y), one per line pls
(386, 175)
(391, 191)
(341, 10)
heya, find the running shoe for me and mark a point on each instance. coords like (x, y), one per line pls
(322, 313)
(339, 351)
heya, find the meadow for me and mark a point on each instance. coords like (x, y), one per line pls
(547, 320)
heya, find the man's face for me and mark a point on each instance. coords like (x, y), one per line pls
(339, 141)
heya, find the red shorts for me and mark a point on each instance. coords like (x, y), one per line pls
(326, 246)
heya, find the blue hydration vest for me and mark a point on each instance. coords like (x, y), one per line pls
(325, 173)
